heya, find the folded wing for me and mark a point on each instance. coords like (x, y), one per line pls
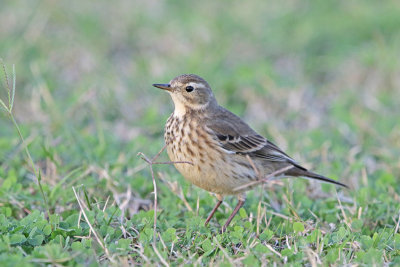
(239, 138)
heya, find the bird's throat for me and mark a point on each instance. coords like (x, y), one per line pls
(180, 109)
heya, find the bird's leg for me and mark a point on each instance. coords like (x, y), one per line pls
(219, 197)
(240, 203)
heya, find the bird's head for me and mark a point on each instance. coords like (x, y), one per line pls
(189, 91)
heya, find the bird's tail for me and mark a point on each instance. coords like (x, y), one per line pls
(296, 171)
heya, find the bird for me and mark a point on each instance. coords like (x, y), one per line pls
(222, 152)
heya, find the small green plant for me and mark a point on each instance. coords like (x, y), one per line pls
(9, 111)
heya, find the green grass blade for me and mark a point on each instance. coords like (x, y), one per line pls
(7, 85)
(87, 199)
(4, 106)
(13, 88)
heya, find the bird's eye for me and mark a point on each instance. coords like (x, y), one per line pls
(189, 88)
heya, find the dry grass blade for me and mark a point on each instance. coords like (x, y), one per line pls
(176, 189)
(397, 224)
(254, 166)
(346, 220)
(151, 162)
(91, 227)
(224, 251)
(273, 250)
(257, 172)
(172, 162)
(268, 177)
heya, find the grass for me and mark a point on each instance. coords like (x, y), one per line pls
(320, 79)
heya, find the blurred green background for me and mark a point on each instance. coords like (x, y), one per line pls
(319, 78)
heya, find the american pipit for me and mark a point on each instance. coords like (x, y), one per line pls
(226, 154)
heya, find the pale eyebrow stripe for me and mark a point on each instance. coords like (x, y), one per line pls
(197, 85)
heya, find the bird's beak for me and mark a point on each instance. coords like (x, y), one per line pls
(163, 86)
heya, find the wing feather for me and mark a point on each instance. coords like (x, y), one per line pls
(235, 136)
